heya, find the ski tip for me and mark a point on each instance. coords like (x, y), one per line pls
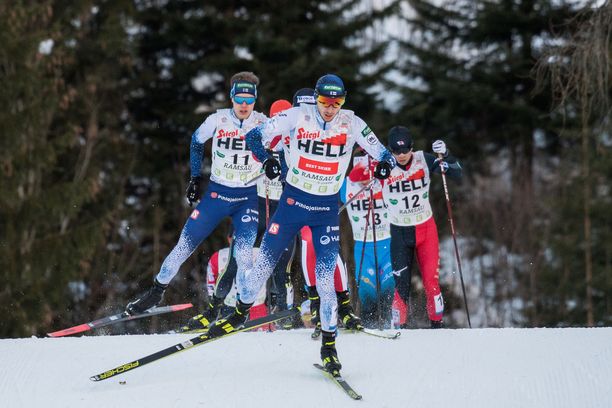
(182, 306)
(72, 330)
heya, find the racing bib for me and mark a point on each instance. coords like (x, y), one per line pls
(319, 158)
(406, 193)
(232, 162)
(358, 211)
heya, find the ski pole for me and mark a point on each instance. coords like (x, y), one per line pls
(254, 178)
(376, 271)
(452, 226)
(353, 198)
(365, 236)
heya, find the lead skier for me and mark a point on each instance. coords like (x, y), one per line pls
(229, 192)
(321, 142)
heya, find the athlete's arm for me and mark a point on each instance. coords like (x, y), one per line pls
(262, 135)
(199, 137)
(365, 138)
(454, 168)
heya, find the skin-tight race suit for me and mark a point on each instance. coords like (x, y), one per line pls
(230, 193)
(413, 228)
(358, 211)
(216, 264)
(319, 155)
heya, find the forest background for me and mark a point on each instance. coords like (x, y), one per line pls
(99, 100)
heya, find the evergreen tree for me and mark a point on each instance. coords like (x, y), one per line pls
(62, 162)
(467, 68)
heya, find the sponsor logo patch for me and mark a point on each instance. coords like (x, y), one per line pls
(214, 195)
(194, 215)
(366, 131)
(371, 139)
(274, 227)
(290, 201)
(318, 167)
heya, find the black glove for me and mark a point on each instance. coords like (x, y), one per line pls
(382, 170)
(193, 192)
(272, 168)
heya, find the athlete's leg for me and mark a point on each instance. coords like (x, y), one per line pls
(225, 280)
(283, 227)
(428, 256)
(385, 273)
(308, 257)
(245, 222)
(325, 239)
(202, 221)
(340, 276)
(367, 284)
(402, 256)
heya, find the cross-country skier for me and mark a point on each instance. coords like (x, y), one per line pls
(413, 228)
(373, 270)
(231, 191)
(345, 310)
(321, 142)
(268, 192)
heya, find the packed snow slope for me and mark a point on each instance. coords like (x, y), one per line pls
(514, 368)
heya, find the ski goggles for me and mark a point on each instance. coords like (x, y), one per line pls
(329, 101)
(401, 150)
(249, 100)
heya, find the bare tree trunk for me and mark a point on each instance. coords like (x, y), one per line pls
(586, 198)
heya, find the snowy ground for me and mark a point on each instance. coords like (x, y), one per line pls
(423, 368)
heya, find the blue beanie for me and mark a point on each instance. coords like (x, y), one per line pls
(330, 85)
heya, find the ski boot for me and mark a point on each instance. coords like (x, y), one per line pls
(232, 322)
(315, 303)
(203, 320)
(437, 324)
(147, 300)
(329, 355)
(346, 314)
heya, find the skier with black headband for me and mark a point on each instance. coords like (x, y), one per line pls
(231, 192)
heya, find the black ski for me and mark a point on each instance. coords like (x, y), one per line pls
(116, 318)
(341, 382)
(195, 341)
(376, 333)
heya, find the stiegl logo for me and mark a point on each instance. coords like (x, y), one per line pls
(304, 134)
(226, 133)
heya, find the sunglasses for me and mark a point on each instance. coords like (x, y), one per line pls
(401, 150)
(328, 101)
(249, 100)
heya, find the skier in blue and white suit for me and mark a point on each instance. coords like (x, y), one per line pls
(231, 191)
(322, 137)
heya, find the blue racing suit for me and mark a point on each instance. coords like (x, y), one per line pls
(319, 154)
(230, 193)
